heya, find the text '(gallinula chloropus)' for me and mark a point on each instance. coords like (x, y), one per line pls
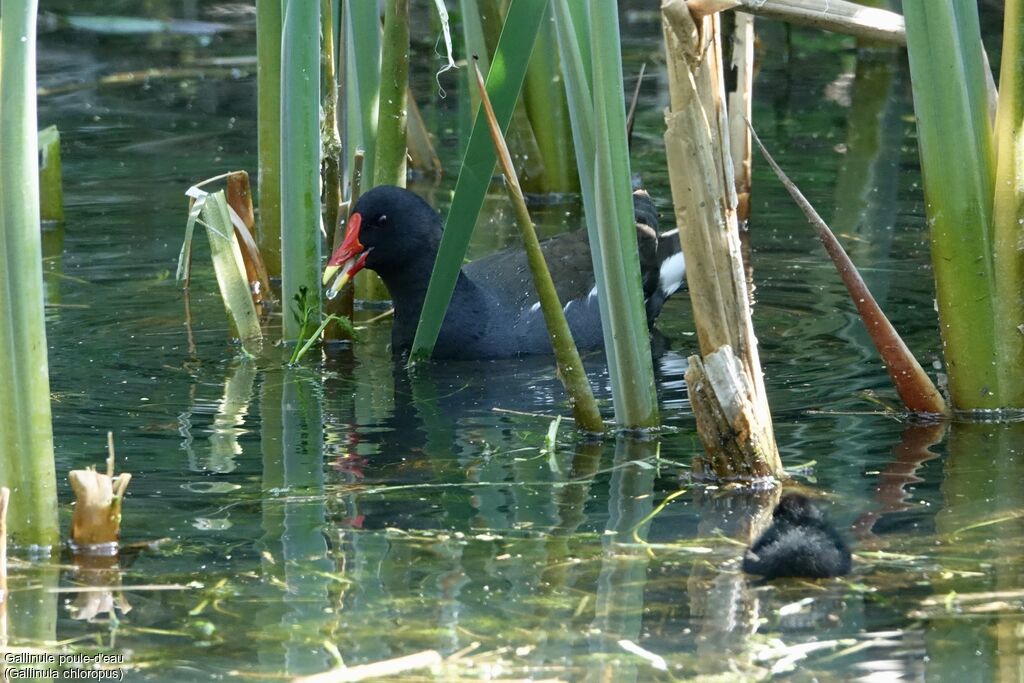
(494, 312)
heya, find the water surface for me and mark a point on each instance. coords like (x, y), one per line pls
(346, 508)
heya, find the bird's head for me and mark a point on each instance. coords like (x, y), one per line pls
(390, 230)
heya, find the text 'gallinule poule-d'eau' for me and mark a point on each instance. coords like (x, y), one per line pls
(799, 543)
(494, 311)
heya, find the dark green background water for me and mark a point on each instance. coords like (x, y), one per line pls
(344, 502)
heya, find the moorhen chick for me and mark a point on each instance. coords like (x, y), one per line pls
(494, 312)
(799, 543)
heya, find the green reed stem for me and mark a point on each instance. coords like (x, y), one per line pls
(300, 180)
(26, 432)
(602, 157)
(948, 78)
(1008, 208)
(389, 165)
(268, 126)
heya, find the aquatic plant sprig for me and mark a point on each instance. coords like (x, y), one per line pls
(305, 312)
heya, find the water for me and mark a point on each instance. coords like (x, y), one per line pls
(347, 507)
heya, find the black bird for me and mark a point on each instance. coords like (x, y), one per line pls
(800, 543)
(494, 312)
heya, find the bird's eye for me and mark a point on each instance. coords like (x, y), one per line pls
(382, 220)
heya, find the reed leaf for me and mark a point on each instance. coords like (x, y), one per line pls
(476, 43)
(567, 356)
(268, 127)
(26, 432)
(504, 81)
(300, 177)
(911, 381)
(948, 78)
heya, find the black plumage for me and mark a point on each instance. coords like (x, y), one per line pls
(494, 311)
(799, 543)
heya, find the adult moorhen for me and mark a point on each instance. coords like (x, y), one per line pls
(799, 543)
(494, 312)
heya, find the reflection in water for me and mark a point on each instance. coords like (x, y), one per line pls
(619, 608)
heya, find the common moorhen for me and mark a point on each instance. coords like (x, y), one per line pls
(799, 543)
(494, 312)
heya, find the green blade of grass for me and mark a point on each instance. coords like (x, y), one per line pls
(26, 433)
(504, 81)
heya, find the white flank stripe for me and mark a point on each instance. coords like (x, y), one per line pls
(671, 274)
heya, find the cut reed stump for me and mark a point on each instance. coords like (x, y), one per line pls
(98, 498)
(726, 417)
(727, 390)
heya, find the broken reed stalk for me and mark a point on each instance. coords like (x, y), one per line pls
(98, 499)
(837, 16)
(330, 136)
(238, 193)
(331, 140)
(912, 383)
(567, 357)
(741, 109)
(221, 223)
(703, 191)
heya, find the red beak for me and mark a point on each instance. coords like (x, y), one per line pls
(349, 258)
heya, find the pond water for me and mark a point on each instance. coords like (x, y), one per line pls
(282, 518)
